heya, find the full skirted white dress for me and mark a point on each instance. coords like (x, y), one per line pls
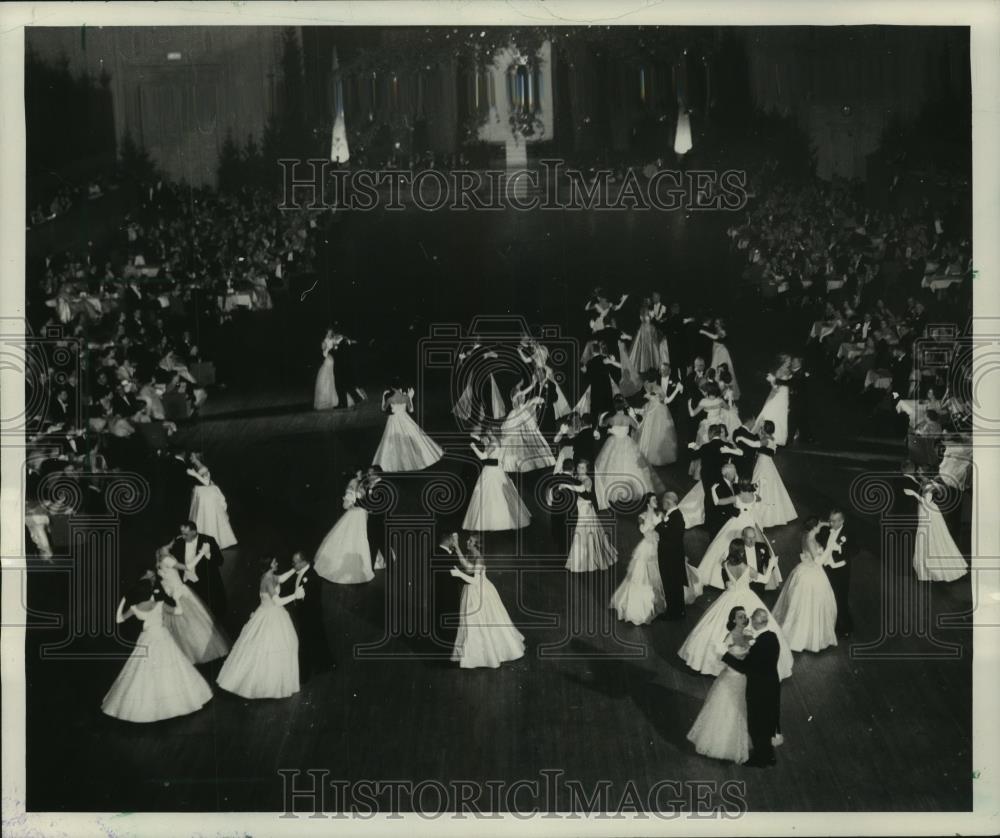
(720, 731)
(776, 409)
(645, 351)
(692, 506)
(486, 636)
(710, 566)
(523, 448)
(157, 681)
(720, 355)
(700, 648)
(325, 392)
(345, 556)
(404, 445)
(621, 473)
(775, 508)
(591, 547)
(193, 628)
(495, 504)
(264, 661)
(657, 439)
(806, 609)
(936, 557)
(639, 599)
(209, 511)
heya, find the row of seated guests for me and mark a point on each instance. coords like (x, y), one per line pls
(808, 242)
(66, 197)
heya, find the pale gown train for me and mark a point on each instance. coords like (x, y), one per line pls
(720, 731)
(495, 504)
(806, 608)
(345, 556)
(157, 681)
(325, 392)
(621, 473)
(776, 409)
(639, 599)
(404, 445)
(776, 507)
(209, 509)
(936, 557)
(700, 648)
(486, 636)
(192, 627)
(264, 661)
(710, 566)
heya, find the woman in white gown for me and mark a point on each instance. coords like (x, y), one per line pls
(692, 506)
(639, 599)
(720, 731)
(716, 330)
(776, 507)
(325, 391)
(730, 411)
(495, 504)
(404, 445)
(192, 627)
(711, 564)
(157, 681)
(264, 661)
(591, 547)
(936, 557)
(700, 649)
(712, 405)
(806, 609)
(345, 555)
(621, 474)
(522, 446)
(486, 636)
(776, 406)
(209, 509)
(645, 351)
(657, 439)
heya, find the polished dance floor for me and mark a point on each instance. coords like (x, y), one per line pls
(883, 721)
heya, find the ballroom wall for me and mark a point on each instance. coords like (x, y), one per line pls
(844, 88)
(178, 90)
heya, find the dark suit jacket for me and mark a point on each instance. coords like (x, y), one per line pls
(307, 611)
(670, 549)
(214, 553)
(763, 684)
(746, 463)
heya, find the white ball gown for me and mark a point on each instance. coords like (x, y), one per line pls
(700, 648)
(645, 351)
(325, 391)
(404, 445)
(692, 506)
(209, 510)
(157, 681)
(591, 547)
(345, 556)
(657, 439)
(776, 409)
(621, 473)
(193, 628)
(495, 504)
(523, 448)
(264, 661)
(720, 731)
(775, 508)
(806, 609)
(639, 599)
(486, 636)
(936, 557)
(710, 566)
(720, 355)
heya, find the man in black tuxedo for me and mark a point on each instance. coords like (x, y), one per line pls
(346, 382)
(674, 328)
(176, 484)
(763, 689)
(201, 558)
(758, 556)
(749, 444)
(844, 550)
(798, 403)
(720, 501)
(306, 612)
(446, 592)
(562, 504)
(371, 501)
(670, 556)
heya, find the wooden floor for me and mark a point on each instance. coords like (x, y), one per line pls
(606, 702)
(883, 724)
